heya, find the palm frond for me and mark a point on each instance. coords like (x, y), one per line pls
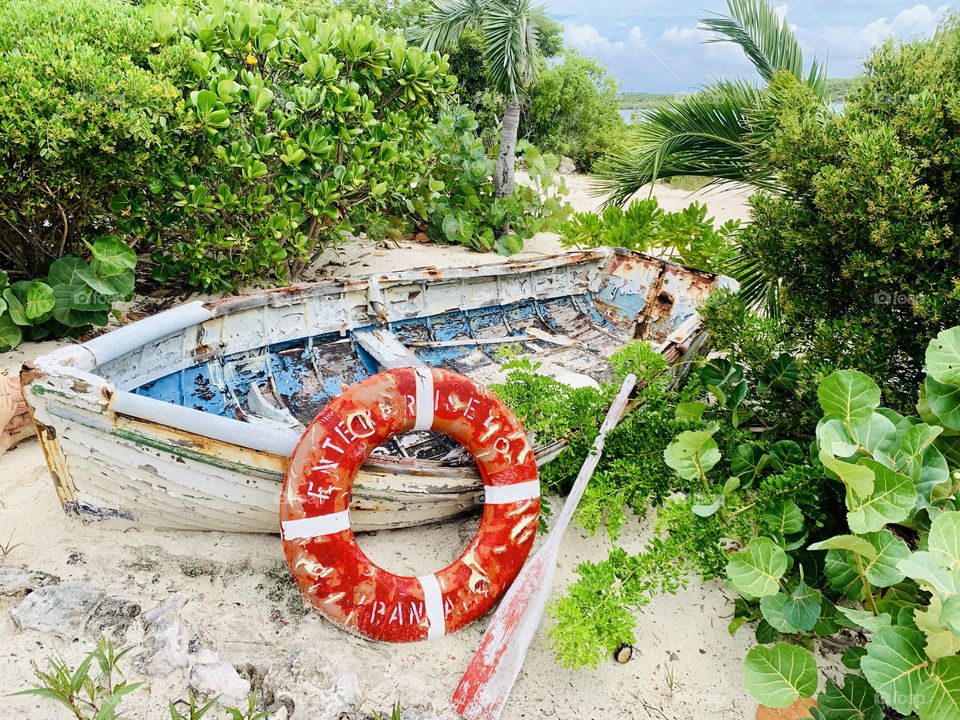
(445, 21)
(707, 134)
(510, 30)
(759, 291)
(766, 39)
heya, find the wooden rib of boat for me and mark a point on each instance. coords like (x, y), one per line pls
(187, 419)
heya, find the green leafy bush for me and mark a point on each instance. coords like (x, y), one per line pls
(687, 235)
(298, 129)
(862, 241)
(73, 296)
(695, 455)
(861, 532)
(574, 111)
(458, 203)
(82, 115)
(890, 571)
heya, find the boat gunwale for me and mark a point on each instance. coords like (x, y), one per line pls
(79, 362)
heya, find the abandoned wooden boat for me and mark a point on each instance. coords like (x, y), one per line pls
(187, 419)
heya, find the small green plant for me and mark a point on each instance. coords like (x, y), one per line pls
(74, 295)
(87, 696)
(395, 713)
(687, 235)
(192, 710)
(8, 548)
(459, 204)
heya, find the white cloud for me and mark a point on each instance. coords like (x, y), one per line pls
(683, 35)
(588, 40)
(918, 20)
(635, 37)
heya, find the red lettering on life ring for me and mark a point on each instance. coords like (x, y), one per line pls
(328, 566)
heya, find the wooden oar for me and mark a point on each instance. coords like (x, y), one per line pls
(492, 671)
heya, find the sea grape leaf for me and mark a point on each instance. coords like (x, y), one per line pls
(943, 357)
(892, 500)
(784, 518)
(802, 608)
(690, 411)
(15, 308)
(849, 396)
(780, 674)
(877, 435)
(853, 543)
(782, 373)
(756, 570)
(841, 570)
(943, 401)
(64, 271)
(787, 451)
(859, 479)
(38, 301)
(926, 568)
(102, 285)
(10, 333)
(866, 619)
(834, 439)
(719, 371)
(705, 509)
(856, 700)
(115, 255)
(747, 462)
(911, 446)
(852, 656)
(883, 571)
(941, 640)
(940, 693)
(772, 608)
(944, 539)
(896, 666)
(693, 453)
(950, 613)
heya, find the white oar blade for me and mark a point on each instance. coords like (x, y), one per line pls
(486, 684)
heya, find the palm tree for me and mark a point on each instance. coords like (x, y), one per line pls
(510, 29)
(715, 132)
(718, 133)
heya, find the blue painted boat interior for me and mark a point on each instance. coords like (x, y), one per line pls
(298, 378)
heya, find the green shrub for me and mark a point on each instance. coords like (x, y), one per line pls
(574, 111)
(82, 112)
(458, 203)
(298, 129)
(689, 235)
(862, 242)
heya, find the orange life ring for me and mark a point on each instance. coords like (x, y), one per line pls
(331, 570)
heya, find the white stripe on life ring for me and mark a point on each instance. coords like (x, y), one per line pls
(433, 604)
(504, 494)
(316, 526)
(424, 380)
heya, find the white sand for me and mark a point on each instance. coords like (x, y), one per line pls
(240, 598)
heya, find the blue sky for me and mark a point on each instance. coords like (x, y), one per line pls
(655, 46)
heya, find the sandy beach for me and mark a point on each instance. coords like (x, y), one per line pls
(240, 606)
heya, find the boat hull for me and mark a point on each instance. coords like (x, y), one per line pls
(115, 451)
